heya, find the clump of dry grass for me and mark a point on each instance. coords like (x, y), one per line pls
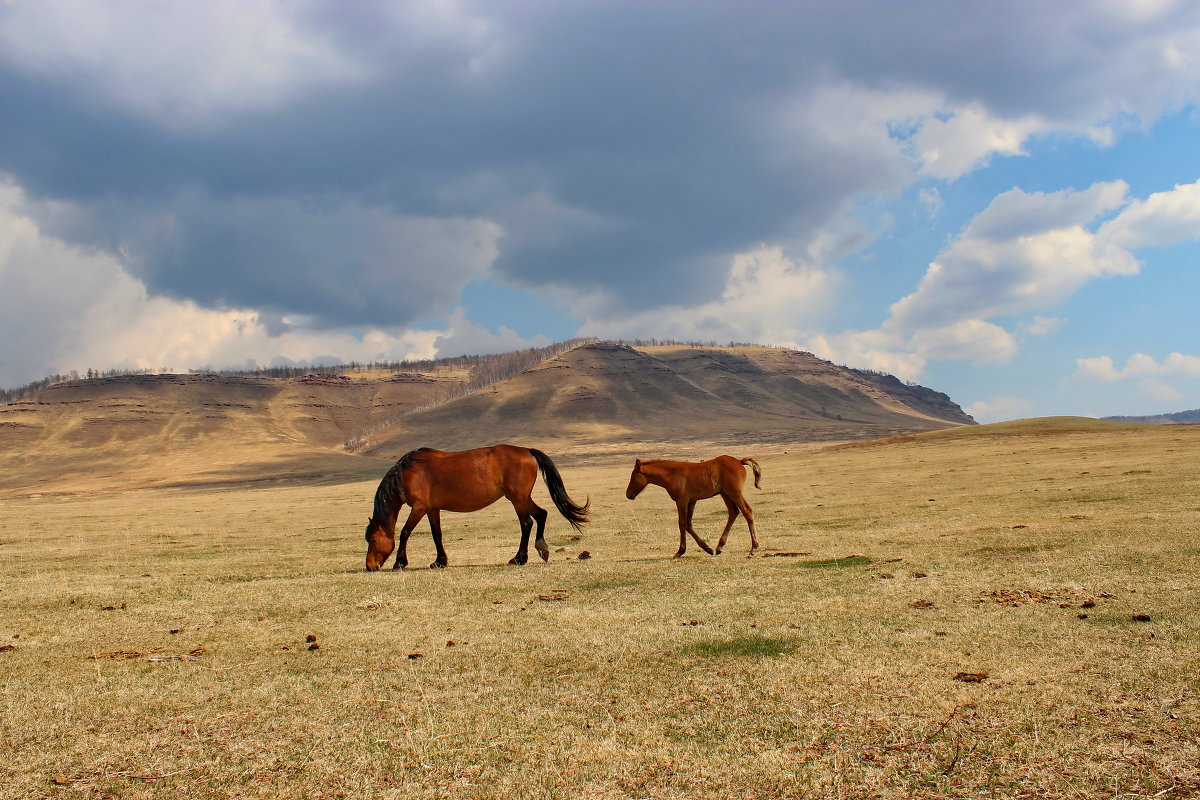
(161, 643)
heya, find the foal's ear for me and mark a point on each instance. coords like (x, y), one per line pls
(637, 463)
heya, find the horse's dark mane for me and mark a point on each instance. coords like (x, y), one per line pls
(390, 494)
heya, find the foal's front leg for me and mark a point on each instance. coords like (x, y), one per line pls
(686, 508)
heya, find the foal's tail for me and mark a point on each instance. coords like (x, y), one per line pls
(757, 472)
(574, 513)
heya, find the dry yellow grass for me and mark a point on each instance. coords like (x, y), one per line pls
(156, 642)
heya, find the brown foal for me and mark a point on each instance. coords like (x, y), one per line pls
(687, 482)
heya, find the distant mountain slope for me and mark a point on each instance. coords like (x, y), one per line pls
(607, 393)
(1178, 418)
(141, 430)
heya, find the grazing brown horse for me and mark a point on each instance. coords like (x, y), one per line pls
(433, 481)
(688, 482)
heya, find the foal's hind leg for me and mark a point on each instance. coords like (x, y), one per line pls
(748, 513)
(733, 512)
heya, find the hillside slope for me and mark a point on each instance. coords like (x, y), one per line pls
(152, 429)
(607, 394)
(147, 430)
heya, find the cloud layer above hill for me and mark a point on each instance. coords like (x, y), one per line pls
(206, 183)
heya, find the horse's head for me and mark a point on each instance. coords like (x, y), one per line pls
(380, 544)
(637, 481)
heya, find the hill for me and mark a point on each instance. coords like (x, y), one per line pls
(215, 429)
(1178, 418)
(608, 395)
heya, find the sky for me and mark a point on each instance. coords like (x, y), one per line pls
(999, 200)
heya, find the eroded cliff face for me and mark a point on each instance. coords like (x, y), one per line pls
(603, 394)
(922, 398)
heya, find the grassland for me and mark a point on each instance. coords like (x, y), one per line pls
(950, 615)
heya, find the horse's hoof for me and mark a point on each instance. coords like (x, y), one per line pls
(716, 552)
(517, 561)
(678, 555)
(438, 565)
(400, 566)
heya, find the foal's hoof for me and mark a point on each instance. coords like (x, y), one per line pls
(716, 552)
(678, 555)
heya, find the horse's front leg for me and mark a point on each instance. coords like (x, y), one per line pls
(682, 507)
(686, 509)
(435, 527)
(703, 545)
(414, 517)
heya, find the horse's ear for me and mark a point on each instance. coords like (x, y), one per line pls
(637, 463)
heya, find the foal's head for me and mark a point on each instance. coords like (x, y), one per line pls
(637, 481)
(380, 544)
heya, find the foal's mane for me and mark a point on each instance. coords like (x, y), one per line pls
(390, 494)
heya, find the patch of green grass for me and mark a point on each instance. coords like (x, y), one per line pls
(1014, 550)
(850, 561)
(837, 523)
(751, 645)
(610, 583)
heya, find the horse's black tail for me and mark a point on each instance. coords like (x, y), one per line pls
(574, 513)
(757, 472)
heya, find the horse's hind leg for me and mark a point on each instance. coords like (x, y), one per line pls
(748, 513)
(435, 527)
(529, 512)
(539, 541)
(522, 555)
(733, 512)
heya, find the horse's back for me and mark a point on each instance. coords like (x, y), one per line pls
(466, 480)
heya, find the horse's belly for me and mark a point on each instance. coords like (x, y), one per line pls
(466, 505)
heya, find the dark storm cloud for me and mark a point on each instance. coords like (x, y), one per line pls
(627, 147)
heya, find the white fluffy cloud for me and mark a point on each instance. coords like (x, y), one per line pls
(999, 409)
(1024, 252)
(1138, 365)
(1163, 218)
(768, 297)
(105, 319)
(951, 146)
(175, 62)
(877, 350)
